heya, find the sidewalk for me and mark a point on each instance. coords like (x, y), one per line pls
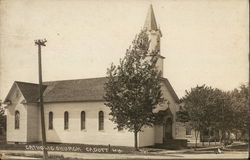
(162, 155)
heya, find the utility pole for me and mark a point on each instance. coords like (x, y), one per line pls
(40, 43)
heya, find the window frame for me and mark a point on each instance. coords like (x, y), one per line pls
(188, 131)
(66, 120)
(101, 121)
(83, 120)
(17, 120)
(51, 116)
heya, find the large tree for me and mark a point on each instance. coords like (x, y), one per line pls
(199, 109)
(223, 114)
(206, 108)
(133, 89)
(240, 104)
(2, 119)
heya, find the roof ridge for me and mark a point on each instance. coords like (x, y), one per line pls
(26, 82)
(171, 89)
(74, 79)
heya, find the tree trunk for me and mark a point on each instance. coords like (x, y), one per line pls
(220, 135)
(196, 137)
(228, 137)
(136, 144)
(209, 135)
(202, 140)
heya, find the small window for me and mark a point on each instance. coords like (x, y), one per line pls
(17, 94)
(66, 120)
(50, 120)
(101, 121)
(82, 120)
(212, 132)
(17, 119)
(120, 129)
(206, 132)
(188, 130)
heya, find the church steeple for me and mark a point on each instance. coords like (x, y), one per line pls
(150, 22)
(154, 35)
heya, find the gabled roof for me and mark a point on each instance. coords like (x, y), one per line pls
(79, 90)
(30, 91)
(170, 89)
(150, 22)
(75, 90)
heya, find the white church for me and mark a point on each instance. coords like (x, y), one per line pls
(75, 112)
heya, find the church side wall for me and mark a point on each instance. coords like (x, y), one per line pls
(33, 122)
(17, 135)
(91, 135)
(180, 131)
(146, 137)
(158, 134)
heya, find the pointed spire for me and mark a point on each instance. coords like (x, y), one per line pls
(150, 23)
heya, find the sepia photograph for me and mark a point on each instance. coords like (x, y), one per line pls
(116, 79)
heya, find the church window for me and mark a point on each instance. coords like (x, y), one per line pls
(17, 119)
(212, 132)
(120, 128)
(101, 121)
(50, 120)
(66, 120)
(188, 130)
(206, 132)
(82, 120)
(17, 94)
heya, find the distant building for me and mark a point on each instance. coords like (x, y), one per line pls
(75, 110)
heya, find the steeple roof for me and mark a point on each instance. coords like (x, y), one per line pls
(150, 23)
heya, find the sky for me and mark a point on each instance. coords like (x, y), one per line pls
(204, 41)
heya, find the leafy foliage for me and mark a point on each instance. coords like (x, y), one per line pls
(239, 101)
(206, 108)
(2, 119)
(133, 88)
(197, 103)
(182, 116)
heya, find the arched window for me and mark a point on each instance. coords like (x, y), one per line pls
(82, 120)
(101, 121)
(17, 119)
(66, 120)
(188, 130)
(50, 120)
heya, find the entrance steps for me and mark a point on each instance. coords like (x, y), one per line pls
(174, 144)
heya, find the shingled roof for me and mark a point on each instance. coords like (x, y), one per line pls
(75, 90)
(30, 91)
(79, 90)
(170, 89)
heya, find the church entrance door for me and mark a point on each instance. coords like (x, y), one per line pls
(168, 129)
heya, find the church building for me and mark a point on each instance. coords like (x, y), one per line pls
(75, 112)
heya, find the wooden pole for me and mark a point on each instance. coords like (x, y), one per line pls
(41, 43)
